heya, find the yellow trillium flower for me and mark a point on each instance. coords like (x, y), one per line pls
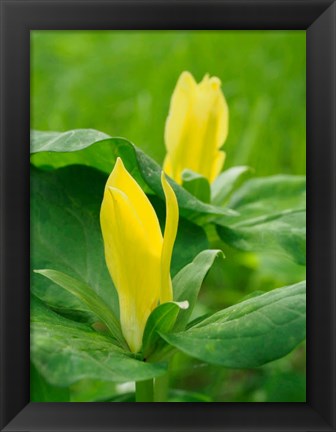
(137, 256)
(196, 127)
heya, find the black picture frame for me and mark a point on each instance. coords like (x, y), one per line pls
(318, 18)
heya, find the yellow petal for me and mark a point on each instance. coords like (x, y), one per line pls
(122, 180)
(217, 166)
(167, 165)
(196, 127)
(172, 216)
(221, 111)
(179, 109)
(177, 123)
(133, 247)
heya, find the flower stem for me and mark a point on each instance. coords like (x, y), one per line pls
(161, 388)
(144, 391)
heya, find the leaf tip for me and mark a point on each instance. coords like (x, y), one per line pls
(38, 271)
(219, 254)
(183, 304)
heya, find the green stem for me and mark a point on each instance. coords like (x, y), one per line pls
(144, 391)
(161, 388)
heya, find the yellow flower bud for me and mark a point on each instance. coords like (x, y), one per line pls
(196, 127)
(137, 255)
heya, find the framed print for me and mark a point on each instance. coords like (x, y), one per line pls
(154, 241)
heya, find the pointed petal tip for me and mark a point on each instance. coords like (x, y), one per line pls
(215, 82)
(119, 163)
(186, 79)
(186, 74)
(164, 181)
(118, 172)
(206, 77)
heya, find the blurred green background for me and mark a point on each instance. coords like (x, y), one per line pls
(120, 82)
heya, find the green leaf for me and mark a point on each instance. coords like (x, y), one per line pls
(197, 185)
(66, 236)
(70, 141)
(188, 282)
(272, 217)
(226, 183)
(64, 352)
(187, 396)
(274, 194)
(251, 295)
(251, 333)
(88, 297)
(42, 391)
(85, 147)
(103, 154)
(126, 397)
(284, 232)
(162, 319)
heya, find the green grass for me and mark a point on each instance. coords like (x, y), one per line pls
(120, 82)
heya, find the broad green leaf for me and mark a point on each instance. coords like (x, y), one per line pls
(197, 185)
(87, 296)
(42, 391)
(70, 141)
(162, 319)
(64, 352)
(284, 232)
(66, 235)
(198, 319)
(191, 240)
(97, 150)
(274, 194)
(272, 217)
(103, 154)
(61, 301)
(187, 283)
(225, 184)
(251, 333)
(251, 295)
